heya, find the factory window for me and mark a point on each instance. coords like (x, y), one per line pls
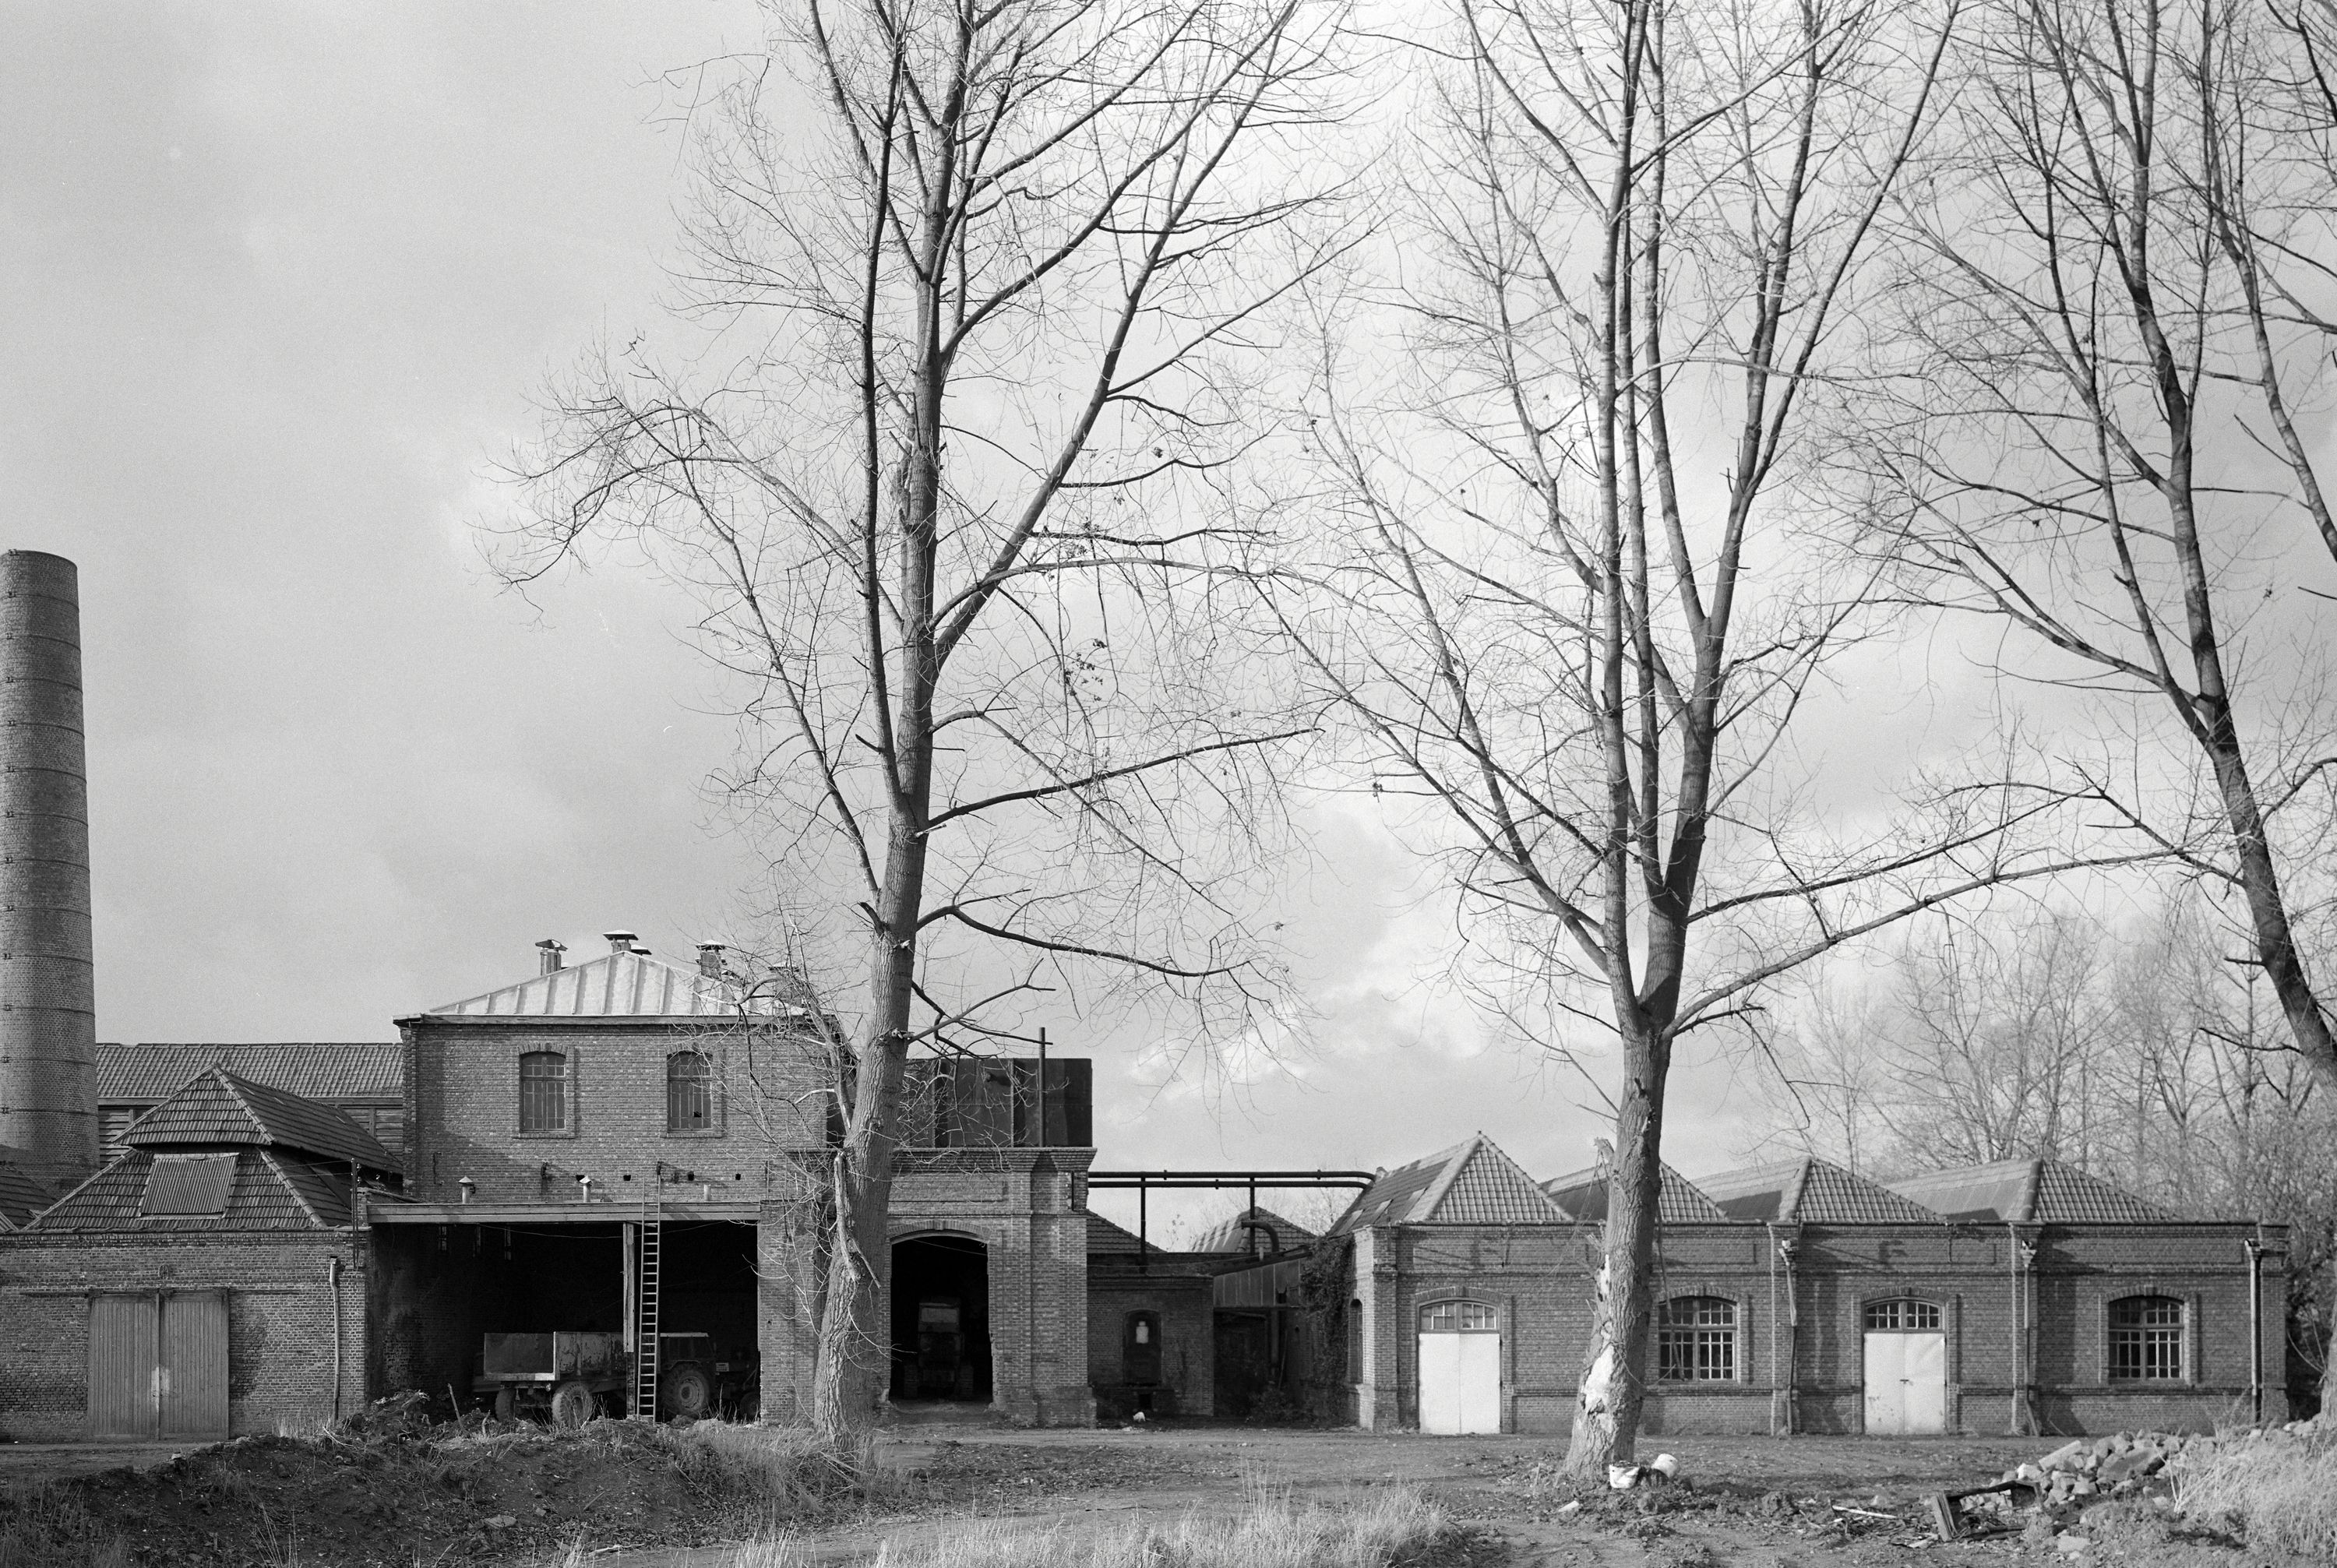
(1459, 1318)
(1696, 1340)
(1354, 1342)
(1902, 1317)
(1140, 1349)
(543, 1092)
(688, 1092)
(2147, 1339)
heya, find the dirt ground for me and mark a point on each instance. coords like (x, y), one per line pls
(1758, 1501)
(523, 1502)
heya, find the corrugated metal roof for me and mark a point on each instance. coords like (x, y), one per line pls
(220, 1108)
(613, 985)
(1811, 1191)
(2031, 1192)
(1678, 1200)
(262, 1198)
(148, 1074)
(188, 1184)
(1230, 1235)
(21, 1197)
(1471, 1183)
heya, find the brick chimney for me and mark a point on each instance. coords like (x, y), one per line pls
(620, 941)
(547, 955)
(709, 960)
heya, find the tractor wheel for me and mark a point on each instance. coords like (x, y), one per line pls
(572, 1404)
(506, 1406)
(686, 1394)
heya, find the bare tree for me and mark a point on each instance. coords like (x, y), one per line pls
(2117, 310)
(978, 286)
(1573, 601)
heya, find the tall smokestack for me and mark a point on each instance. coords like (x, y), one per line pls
(48, 1003)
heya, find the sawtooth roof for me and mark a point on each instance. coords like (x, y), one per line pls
(1471, 1183)
(1228, 1235)
(1811, 1191)
(21, 1197)
(1678, 1200)
(148, 1074)
(273, 1190)
(219, 1109)
(2032, 1192)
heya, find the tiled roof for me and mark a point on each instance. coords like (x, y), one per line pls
(1811, 1191)
(1104, 1236)
(1678, 1200)
(147, 1074)
(21, 1197)
(1471, 1183)
(613, 985)
(220, 1108)
(270, 1192)
(2035, 1191)
(1230, 1235)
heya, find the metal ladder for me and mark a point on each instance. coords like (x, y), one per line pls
(645, 1314)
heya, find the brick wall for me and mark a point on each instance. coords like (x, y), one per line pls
(280, 1292)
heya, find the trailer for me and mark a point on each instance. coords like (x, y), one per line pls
(568, 1378)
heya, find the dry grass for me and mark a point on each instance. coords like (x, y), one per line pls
(2279, 1494)
(1364, 1530)
(47, 1527)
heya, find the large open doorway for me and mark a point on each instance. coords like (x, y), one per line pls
(941, 1319)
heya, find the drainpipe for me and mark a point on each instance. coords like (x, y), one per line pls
(1786, 1247)
(2255, 1330)
(1775, 1385)
(2013, 1250)
(333, 1285)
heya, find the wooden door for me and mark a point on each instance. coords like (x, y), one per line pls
(1886, 1385)
(123, 1374)
(1440, 1382)
(194, 1385)
(1924, 1376)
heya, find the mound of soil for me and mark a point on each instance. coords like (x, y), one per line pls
(494, 1497)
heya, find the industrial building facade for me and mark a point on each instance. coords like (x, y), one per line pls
(599, 1185)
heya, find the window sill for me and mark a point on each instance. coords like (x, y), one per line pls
(567, 1132)
(702, 1133)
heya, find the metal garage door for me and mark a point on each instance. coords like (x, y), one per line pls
(1460, 1367)
(158, 1366)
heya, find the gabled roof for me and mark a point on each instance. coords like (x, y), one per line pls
(1811, 1191)
(1230, 1235)
(1471, 1183)
(217, 1109)
(146, 1074)
(2031, 1192)
(271, 1191)
(613, 985)
(1104, 1236)
(21, 1197)
(1678, 1200)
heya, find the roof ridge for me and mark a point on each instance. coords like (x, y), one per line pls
(1456, 1161)
(268, 1157)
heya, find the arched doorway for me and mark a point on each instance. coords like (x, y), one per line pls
(941, 1319)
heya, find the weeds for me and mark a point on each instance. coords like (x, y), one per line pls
(47, 1527)
(2281, 1492)
(1365, 1530)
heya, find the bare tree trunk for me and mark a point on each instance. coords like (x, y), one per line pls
(1615, 1363)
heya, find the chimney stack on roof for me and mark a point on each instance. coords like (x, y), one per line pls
(620, 941)
(709, 960)
(548, 952)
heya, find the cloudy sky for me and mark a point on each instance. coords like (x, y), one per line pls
(282, 284)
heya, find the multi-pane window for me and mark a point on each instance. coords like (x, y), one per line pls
(2146, 1339)
(543, 1092)
(1902, 1316)
(1459, 1318)
(688, 1092)
(1696, 1339)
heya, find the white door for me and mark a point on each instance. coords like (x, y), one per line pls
(1906, 1384)
(1460, 1369)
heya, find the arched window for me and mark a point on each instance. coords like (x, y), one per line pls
(688, 1092)
(543, 1092)
(1902, 1316)
(1696, 1339)
(1459, 1318)
(2147, 1339)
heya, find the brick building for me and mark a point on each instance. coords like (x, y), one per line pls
(1799, 1297)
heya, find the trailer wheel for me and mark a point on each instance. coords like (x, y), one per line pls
(686, 1394)
(572, 1403)
(505, 1405)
